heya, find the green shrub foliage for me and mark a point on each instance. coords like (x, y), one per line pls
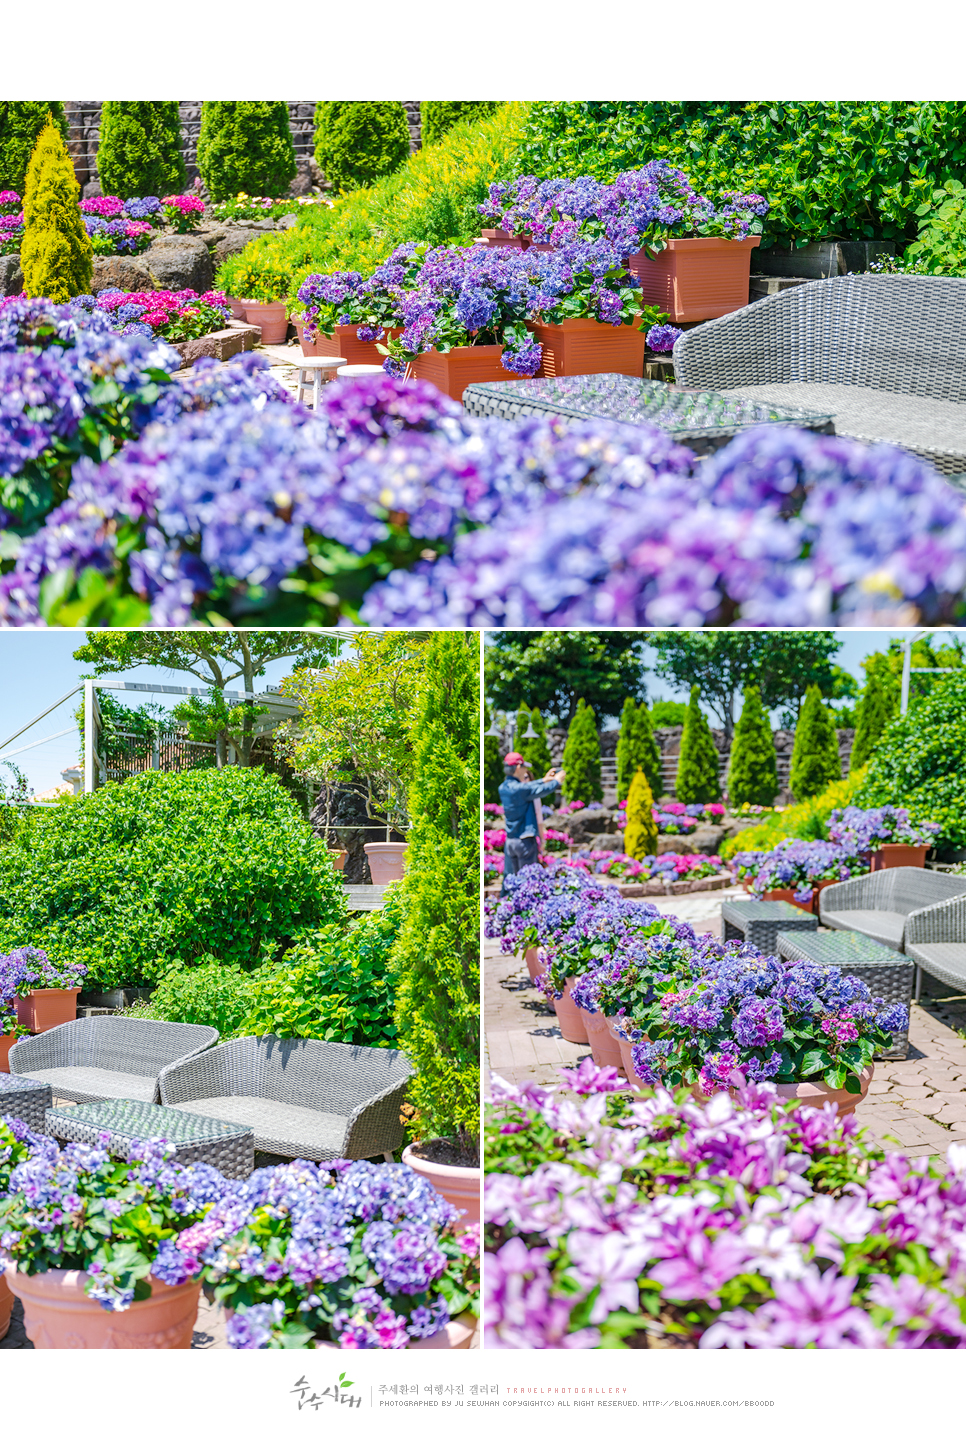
(877, 705)
(636, 748)
(245, 146)
(167, 866)
(538, 749)
(668, 714)
(21, 123)
(139, 152)
(207, 994)
(437, 953)
(492, 769)
(521, 723)
(815, 755)
(697, 780)
(753, 771)
(356, 142)
(581, 757)
(56, 256)
(439, 117)
(640, 834)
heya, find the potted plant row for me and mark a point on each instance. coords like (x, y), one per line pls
(888, 836)
(41, 995)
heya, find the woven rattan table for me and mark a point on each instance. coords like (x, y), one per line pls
(887, 973)
(224, 1145)
(699, 418)
(28, 1100)
(762, 920)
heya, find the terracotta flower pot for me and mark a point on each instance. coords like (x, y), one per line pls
(534, 963)
(7, 1044)
(41, 1010)
(452, 372)
(822, 884)
(59, 1315)
(603, 1046)
(237, 306)
(899, 856)
(585, 346)
(496, 237)
(271, 318)
(338, 861)
(386, 863)
(6, 1306)
(343, 343)
(459, 1185)
(569, 1018)
(696, 278)
(624, 1051)
(788, 895)
(814, 1093)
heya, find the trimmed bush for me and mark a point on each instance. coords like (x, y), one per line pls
(877, 705)
(56, 255)
(668, 714)
(640, 834)
(21, 123)
(139, 152)
(753, 771)
(245, 146)
(437, 952)
(815, 755)
(808, 820)
(207, 994)
(439, 117)
(697, 779)
(356, 142)
(581, 757)
(636, 748)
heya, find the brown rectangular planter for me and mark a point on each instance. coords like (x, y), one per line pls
(496, 237)
(585, 346)
(342, 343)
(42, 1010)
(452, 372)
(696, 278)
(899, 856)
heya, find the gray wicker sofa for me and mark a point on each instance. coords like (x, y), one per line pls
(936, 941)
(879, 905)
(886, 355)
(316, 1099)
(107, 1057)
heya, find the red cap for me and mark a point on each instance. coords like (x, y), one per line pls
(513, 760)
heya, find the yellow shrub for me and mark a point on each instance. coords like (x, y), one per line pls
(800, 821)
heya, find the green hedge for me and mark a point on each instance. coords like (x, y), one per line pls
(357, 142)
(21, 123)
(439, 117)
(139, 152)
(245, 146)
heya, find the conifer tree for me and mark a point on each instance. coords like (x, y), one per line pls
(356, 142)
(492, 768)
(815, 754)
(439, 117)
(21, 123)
(539, 749)
(581, 757)
(753, 771)
(697, 779)
(437, 953)
(56, 255)
(245, 146)
(139, 151)
(640, 835)
(637, 748)
(876, 708)
(520, 745)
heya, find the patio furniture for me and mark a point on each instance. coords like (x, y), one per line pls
(317, 1099)
(702, 420)
(761, 921)
(879, 904)
(108, 1056)
(28, 1100)
(936, 941)
(887, 973)
(224, 1145)
(307, 364)
(885, 355)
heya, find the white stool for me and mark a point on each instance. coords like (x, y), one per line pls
(315, 365)
(355, 371)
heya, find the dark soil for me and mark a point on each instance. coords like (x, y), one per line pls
(448, 1152)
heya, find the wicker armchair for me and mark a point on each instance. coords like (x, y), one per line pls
(879, 905)
(108, 1057)
(886, 355)
(317, 1099)
(936, 941)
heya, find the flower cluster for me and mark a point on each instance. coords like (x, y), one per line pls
(799, 865)
(11, 223)
(676, 818)
(863, 830)
(108, 238)
(183, 212)
(669, 867)
(161, 313)
(26, 968)
(134, 209)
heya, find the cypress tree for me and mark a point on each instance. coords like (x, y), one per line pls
(876, 708)
(356, 142)
(581, 757)
(640, 835)
(492, 769)
(539, 754)
(753, 771)
(56, 256)
(245, 146)
(439, 117)
(636, 748)
(437, 953)
(815, 754)
(519, 728)
(21, 123)
(139, 152)
(697, 780)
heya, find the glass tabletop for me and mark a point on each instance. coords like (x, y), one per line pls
(844, 947)
(639, 401)
(766, 909)
(9, 1082)
(147, 1119)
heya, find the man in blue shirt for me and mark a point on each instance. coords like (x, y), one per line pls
(517, 797)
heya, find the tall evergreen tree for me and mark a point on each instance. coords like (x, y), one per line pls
(245, 146)
(815, 754)
(640, 834)
(56, 255)
(21, 123)
(636, 748)
(753, 771)
(139, 151)
(520, 744)
(876, 708)
(357, 142)
(539, 749)
(492, 769)
(437, 953)
(581, 757)
(697, 780)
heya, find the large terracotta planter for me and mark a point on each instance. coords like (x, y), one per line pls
(569, 1018)
(386, 863)
(338, 861)
(814, 1093)
(59, 1315)
(452, 372)
(6, 1306)
(788, 895)
(534, 963)
(603, 1046)
(271, 318)
(343, 343)
(42, 1010)
(899, 856)
(624, 1050)
(822, 884)
(585, 346)
(7, 1044)
(237, 306)
(497, 237)
(696, 278)
(459, 1185)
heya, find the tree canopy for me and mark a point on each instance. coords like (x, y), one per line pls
(553, 670)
